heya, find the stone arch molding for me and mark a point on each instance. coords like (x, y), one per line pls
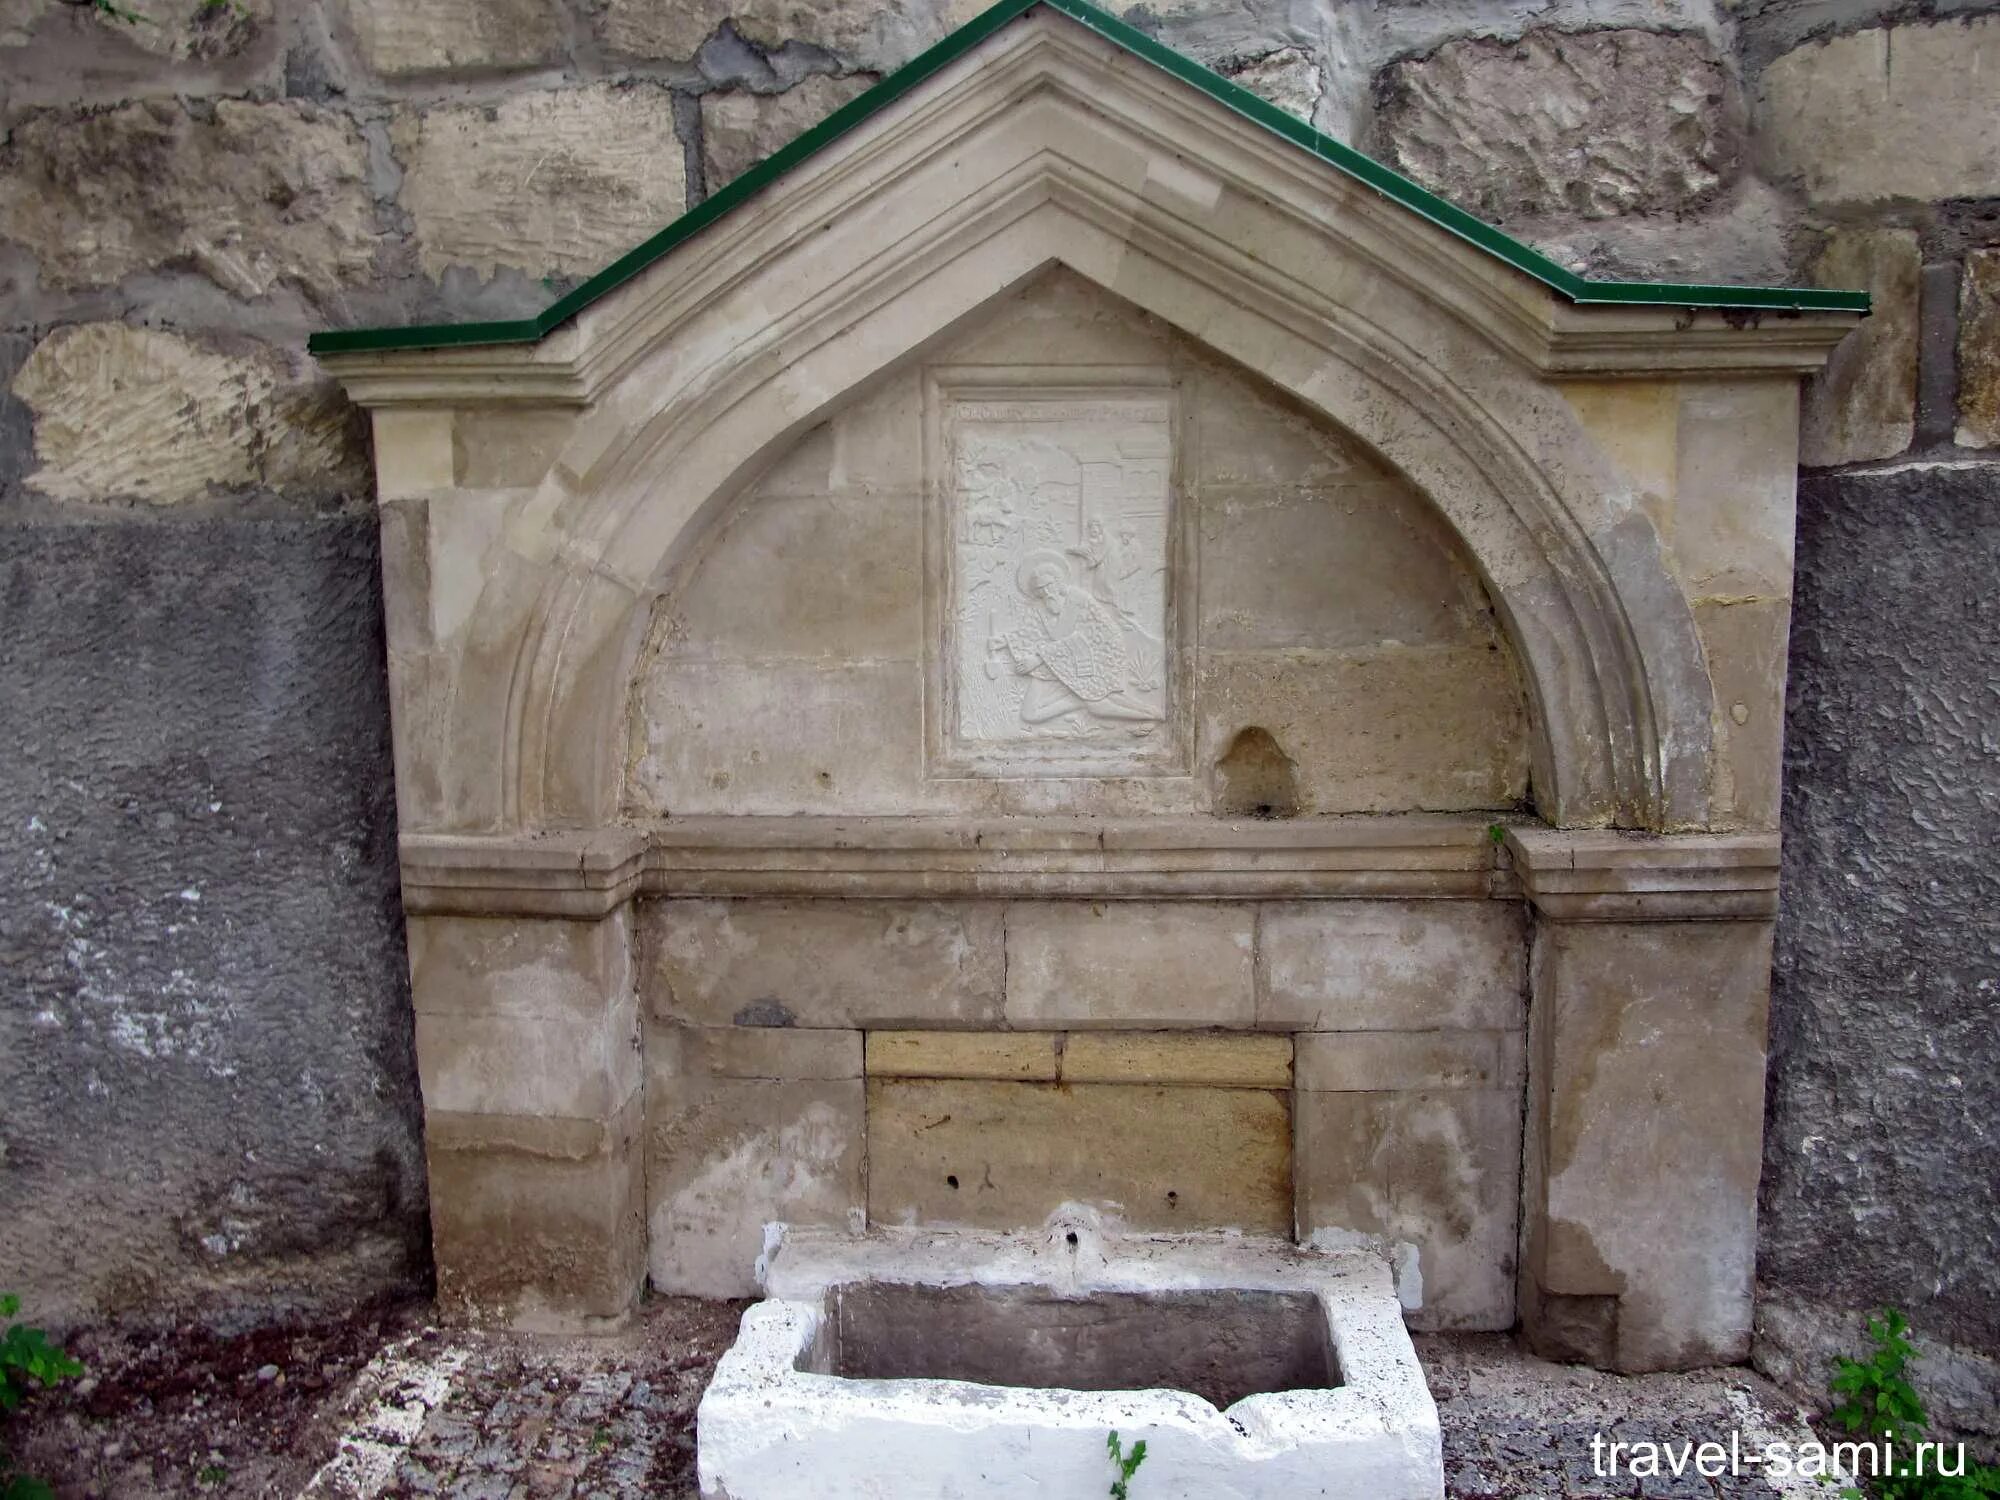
(1047, 145)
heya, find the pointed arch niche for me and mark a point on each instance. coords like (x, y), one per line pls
(1400, 739)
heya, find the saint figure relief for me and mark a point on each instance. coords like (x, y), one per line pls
(1086, 662)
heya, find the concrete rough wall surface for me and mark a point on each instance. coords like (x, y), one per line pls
(230, 179)
(1884, 1108)
(205, 1041)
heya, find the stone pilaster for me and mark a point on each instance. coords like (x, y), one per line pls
(1650, 983)
(528, 1051)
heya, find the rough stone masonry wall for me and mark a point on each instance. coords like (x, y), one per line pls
(190, 645)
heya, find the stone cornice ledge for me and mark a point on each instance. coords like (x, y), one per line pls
(1601, 876)
(584, 875)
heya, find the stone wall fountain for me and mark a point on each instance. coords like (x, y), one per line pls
(1068, 641)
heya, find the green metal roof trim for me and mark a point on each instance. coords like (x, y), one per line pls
(1391, 184)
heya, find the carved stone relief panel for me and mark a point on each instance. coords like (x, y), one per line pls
(1057, 566)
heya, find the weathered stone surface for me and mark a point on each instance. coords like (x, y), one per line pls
(1864, 404)
(1437, 1169)
(1979, 351)
(516, 966)
(1129, 964)
(1648, 1040)
(557, 183)
(726, 1156)
(1885, 1065)
(540, 1241)
(1389, 729)
(738, 130)
(823, 963)
(1595, 125)
(134, 413)
(1895, 113)
(423, 36)
(576, 1067)
(873, 37)
(202, 918)
(1341, 1062)
(1392, 966)
(997, 1155)
(1199, 1058)
(178, 29)
(1289, 78)
(249, 195)
(1017, 1055)
(762, 1051)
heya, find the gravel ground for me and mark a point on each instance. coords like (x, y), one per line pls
(386, 1405)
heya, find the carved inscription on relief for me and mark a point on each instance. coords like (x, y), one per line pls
(1059, 513)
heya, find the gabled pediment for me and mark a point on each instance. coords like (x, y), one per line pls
(1054, 101)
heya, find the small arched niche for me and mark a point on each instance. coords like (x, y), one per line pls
(854, 635)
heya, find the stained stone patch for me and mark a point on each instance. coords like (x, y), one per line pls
(1979, 351)
(1595, 125)
(555, 183)
(1892, 113)
(416, 36)
(250, 195)
(738, 130)
(136, 413)
(876, 38)
(1863, 405)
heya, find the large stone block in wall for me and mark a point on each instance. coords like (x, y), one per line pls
(250, 195)
(178, 30)
(420, 36)
(823, 963)
(1591, 125)
(738, 130)
(874, 37)
(1392, 966)
(135, 413)
(1863, 405)
(1891, 113)
(1127, 964)
(1979, 351)
(554, 183)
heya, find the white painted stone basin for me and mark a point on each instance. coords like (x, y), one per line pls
(781, 1421)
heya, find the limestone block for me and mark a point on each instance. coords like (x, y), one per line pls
(1197, 1058)
(1003, 1155)
(1979, 351)
(1250, 437)
(1392, 965)
(505, 447)
(1129, 964)
(1595, 125)
(870, 36)
(518, 966)
(1022, 1056)
(1437, 1169)
(726, 1156)
(782, 737)
(581, 1067)
(135, 413)
(812, 578)
(399, 37)
(1646, 1109)
(553, 183)
(824, 963)
(1863, 405)
(1346, 1062)
(1270, 561)
(1744, 642)
(1289, 78)
(534, 1232)
(1735, 501)
(1891, 113)
(738, 129)
(250, 195)
(760, 1052)
(1385, 729)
